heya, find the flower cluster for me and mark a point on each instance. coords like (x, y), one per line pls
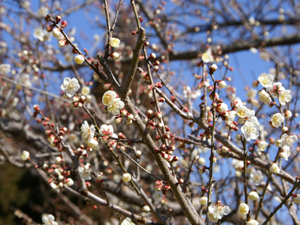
(87, 133)
(113, 104)
(108, 135)
(49, 220)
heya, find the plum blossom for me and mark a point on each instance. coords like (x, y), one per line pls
(250, 128)
(40, 34)
(87, 131)
(262, 145)
(287, 140)
(114, 105)
(25, 156)
(49, 220)
(264, 97)
(277, 119)
(93, 143)
(274, 168)
(243, 209)
(114, 42)
(43, 11)
(256, 177)
(266, 80)
(217, 211)
(285, 97)
(276, 89)
(85, 171)
(285, 152)
(127, 221)
(79, 59)
(242, 112)
(106, 130)
(207, 56)
(4, 68)
(70, 86)
(253, 196)
(126, 177)
(252, 222)
(25, 80)
(229, 116)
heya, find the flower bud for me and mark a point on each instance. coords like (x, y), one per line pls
(126, 177)
(115, 55)
(79, 59)
(56, 32)
(63, 24)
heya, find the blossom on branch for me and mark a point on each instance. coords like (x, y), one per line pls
(250, 128)
(49, 220)
(70, 86)
(114, 104)
(277, 119)
(266, 80)
(127, 221)
(217, 211)
(207, 56)
(285, 97)
(114, 42)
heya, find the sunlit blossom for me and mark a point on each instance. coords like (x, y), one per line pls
(243, 209)
(285, 97)
(106, 130)
(217, 211)
(264, 97)
(85, 171)
(262, 145)
(87, 131)
(43, 11)
(25, 156)
(277, 119)
(114, 42)
(49, 220)
(250, 128)
(115, 107)
(70, 86)
(127, 221)
(274, 168)
(207, 56)
(285, 152)
(266, 80)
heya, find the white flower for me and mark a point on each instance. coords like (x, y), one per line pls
(203, 200)
(79, 59)
(69, 182)
(252, 93)
(277, 119)
(25, 80)
(109, 97)
(285, 152)
(229, 116)
(93, 143)
(25, 156)
(207, 56)
(201, 161)
(237, 164)
(266, 80)
(49, 220)
(70, 86)
(216, 212)
(55, 187)
(252, 222)
(85, 172)
(242, 112)
(126, 177)
(288, 140)
(297, 199)
(127, 221)
(250, 128)
(56, 32)
(222, 83)
(87, 132)
(264, 97)
(262, 145)
(85, 90)
(243, 209)
(276, 89)
(274, 168)
(115, 107)
(43, 11)
(256, 177)
(285, 97)
(114, 42)
(4, 68)
(146, 208)
(253, 196)
(222, 108)
(106, 130)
